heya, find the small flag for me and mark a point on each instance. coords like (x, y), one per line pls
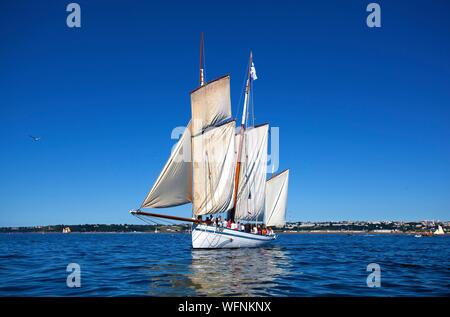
(253, 72)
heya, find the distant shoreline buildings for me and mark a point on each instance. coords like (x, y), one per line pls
(291, 227)
(368, 226)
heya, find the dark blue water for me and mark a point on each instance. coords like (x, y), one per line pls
(165, 265)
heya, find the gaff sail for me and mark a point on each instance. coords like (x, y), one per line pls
(213, 170)
(252, 178)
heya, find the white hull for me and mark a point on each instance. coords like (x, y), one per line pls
(211, 237)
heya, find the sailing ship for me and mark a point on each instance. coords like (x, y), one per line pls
(439, 231)
(221, 169)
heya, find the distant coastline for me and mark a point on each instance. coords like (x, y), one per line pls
(361, 233)
(341, 227)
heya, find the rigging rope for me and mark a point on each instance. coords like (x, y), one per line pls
(155, 220)
(252, 101)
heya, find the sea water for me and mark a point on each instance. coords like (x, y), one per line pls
(165, 265)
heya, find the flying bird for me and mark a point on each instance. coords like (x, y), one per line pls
(35, 138)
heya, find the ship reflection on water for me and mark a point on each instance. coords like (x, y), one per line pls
(224, 272)
(237, 272)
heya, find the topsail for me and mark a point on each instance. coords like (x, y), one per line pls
(210, 104)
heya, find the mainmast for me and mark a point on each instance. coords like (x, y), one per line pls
(202, 75)
(241, 137)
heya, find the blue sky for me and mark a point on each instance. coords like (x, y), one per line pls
(363, 113)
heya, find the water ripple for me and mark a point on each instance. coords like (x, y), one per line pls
(165, 265)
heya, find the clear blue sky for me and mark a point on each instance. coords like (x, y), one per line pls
(364, 114)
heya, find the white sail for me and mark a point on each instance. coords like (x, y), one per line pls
(173, 187)
(439, 231)
(276, 200)
(213, 170)
(252, 176)
(210, 104)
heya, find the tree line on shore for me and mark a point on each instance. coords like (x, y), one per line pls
(403, 227)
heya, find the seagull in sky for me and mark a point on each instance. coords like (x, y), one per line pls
(35, 138)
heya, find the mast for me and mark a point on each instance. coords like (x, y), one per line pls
(202, 75)
(241, 138)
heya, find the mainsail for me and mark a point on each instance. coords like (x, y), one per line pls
(210, 104)
(173, 186)
(252, 176)
(276, 199)
(213, 169)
